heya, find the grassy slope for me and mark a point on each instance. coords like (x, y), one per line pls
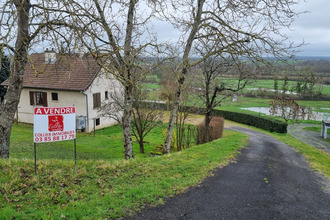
(103, 188)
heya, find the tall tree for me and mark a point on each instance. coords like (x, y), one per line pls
(112, 30)
(195, 25)
(21, 10)
(22, 23)
(236, 29)
(4, 73)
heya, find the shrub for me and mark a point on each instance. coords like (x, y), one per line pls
(158, 151)
(217, 125)
(216, 130)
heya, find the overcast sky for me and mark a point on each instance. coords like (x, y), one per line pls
(313, 27)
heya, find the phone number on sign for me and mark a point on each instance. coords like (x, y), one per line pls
(54, 138)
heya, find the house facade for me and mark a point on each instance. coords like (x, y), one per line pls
(55, 80)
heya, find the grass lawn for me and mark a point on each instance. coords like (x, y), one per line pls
(106, 145)
(103, 188)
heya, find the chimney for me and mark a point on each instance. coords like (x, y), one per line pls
(50, 56)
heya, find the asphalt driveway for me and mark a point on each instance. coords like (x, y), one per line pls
(309, 137)
(269, 180)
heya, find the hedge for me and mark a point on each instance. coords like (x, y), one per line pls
(253, 120)
(269, 124)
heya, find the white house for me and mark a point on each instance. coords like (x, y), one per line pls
(59, 80)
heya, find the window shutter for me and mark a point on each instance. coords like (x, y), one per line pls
(96, 100)
(44, 99)
(31, 98)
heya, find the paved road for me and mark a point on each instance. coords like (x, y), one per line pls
(310, 137)
(268, 181)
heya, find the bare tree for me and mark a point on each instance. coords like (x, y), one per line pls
(20, 24)
(217, 87)
(145, 117)
(236, 29)
(112, 30)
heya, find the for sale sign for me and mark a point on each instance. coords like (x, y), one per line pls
(54, 124)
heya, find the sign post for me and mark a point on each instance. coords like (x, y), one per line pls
(35, 158)
(75, 157)
(54, 124)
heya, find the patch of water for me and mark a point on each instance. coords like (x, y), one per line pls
(273, 90)
(318, 116)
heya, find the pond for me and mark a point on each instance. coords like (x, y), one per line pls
(273, 90)
(318, 116)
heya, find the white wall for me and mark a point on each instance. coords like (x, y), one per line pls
(65, 98)
(101, 84)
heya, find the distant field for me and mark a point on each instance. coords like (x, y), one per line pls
(269, 84)
(151, 86)
(153, 83)
(245, 102)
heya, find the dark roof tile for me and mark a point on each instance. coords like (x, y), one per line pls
(68, 72)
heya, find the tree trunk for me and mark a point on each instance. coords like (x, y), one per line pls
(141, 146)
(126, 123)
(173, 115)
(15, 86)
(128, 103)
(8, 113)
(185, 68)
(207, 125)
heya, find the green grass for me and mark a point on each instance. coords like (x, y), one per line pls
(269, 84)
(107, 189)
(106, 145)
(153, 86)
(153, 78)
(315, 129)
(326, 90)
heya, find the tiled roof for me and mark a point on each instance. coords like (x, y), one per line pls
(68, 72)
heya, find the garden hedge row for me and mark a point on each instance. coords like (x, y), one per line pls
(243, 118)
